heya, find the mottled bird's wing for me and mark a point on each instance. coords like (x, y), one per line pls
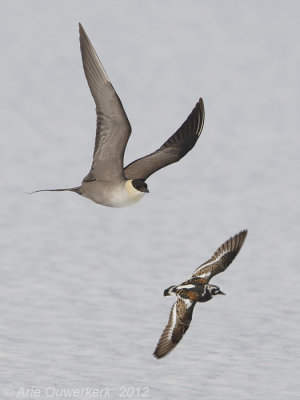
(221, 259)
(179, 321)
(113, 127)
(180, 143)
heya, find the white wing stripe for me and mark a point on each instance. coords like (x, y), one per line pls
(187, 302)
(189, 286)
(216, 259)
(173, 322)
(204, 274)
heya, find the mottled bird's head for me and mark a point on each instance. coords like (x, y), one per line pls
(213, 290)
(169, 291)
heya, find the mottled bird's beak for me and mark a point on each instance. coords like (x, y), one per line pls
(220, 292)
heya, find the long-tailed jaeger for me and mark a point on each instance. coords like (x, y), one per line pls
(196, 289)
(108, 182)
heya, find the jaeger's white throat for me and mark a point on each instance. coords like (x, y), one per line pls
(134, 195)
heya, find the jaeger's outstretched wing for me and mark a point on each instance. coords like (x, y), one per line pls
(113, 127)
(176, 147)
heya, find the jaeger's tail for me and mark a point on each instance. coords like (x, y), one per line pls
(74, 189)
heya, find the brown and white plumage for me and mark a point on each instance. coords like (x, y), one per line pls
(196, 289)
(179, 322)
(108, 182)
(221, 258)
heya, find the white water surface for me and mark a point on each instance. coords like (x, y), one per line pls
(81, 302)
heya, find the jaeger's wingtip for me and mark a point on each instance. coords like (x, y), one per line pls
(201, 103)
(80, 27)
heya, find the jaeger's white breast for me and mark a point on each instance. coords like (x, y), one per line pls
(111, 194)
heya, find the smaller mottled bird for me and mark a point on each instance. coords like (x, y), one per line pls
(193, 290)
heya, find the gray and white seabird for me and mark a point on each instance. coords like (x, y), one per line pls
(108, 182)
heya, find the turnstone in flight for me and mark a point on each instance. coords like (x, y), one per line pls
(196, 289)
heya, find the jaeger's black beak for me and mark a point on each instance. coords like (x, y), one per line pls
(220, 292)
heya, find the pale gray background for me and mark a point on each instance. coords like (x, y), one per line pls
(81, 285)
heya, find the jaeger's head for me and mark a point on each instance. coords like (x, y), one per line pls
(140, 185)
